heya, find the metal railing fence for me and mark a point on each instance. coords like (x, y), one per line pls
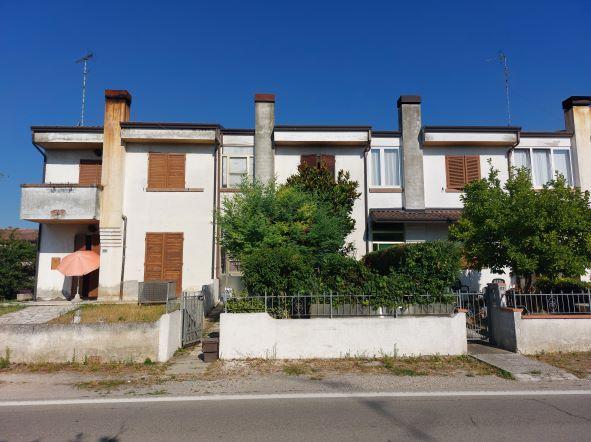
(551, 303)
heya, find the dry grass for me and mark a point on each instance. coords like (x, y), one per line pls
(109, 368)
(578, 364)
(9, 308)
(113, 313)
(320, 368)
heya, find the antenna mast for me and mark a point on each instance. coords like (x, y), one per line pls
(503, 61)
(84, 60)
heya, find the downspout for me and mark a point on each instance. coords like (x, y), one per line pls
(511, 149)
(40, 229)
(365, 191)
(124, 218)
(215, 257)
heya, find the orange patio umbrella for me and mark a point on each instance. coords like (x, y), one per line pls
(79, 263)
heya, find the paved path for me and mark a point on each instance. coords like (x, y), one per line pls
(38, 314)
(521, 367)
(447, 416)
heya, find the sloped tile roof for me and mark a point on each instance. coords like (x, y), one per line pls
(426, 215)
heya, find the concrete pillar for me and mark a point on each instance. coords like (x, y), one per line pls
(409, 122)
(264, 156)
(117, 104)
(577, 115)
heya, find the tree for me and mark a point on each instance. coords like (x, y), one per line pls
(17, 265)
(543, 232)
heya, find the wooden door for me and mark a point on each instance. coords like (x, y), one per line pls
(92, 279)
(164, 258)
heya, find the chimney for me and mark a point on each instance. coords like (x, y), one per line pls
(409, 122)
(264, 157)
(577, 116)
(117, 105)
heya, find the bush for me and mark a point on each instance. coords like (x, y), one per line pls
(560, 285)
(17, 265)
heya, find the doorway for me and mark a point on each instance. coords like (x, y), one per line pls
(88, 283)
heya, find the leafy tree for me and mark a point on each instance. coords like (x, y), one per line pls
(17, 265)
(543, 232)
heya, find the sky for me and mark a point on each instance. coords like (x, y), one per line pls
(327, 62)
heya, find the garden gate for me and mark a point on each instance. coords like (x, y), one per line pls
(477, 315)
(192, 311)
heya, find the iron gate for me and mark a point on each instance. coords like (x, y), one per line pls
(192, 311)
(477, 315)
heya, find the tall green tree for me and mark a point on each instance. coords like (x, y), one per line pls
(17, 265)
(544, 232)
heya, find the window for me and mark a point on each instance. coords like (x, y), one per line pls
(460, 170)
(385, 167)
(237, 162)
(230, 266)
(315, 160)
(166, 171)
(90, 172)
(386, 235)
(544, 164)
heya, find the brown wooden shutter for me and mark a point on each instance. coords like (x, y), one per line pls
(176, 171)
(173, 259)
(310, 160)
(154, 256)
(157, 170)
(455, 173)
(90, 172)
(472, 164)
(329, 162)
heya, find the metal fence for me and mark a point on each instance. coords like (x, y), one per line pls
(340, 305)
(477, 314)
(551, 303)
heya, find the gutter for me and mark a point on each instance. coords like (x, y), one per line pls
(40, 229)
(511, 149)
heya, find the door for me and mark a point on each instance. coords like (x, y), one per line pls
(164, 258)
(88, 283)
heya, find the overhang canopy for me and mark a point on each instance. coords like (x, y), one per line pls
(322, 135)
(485, 136)
(68, 137)
(414, 216)
(142, 132)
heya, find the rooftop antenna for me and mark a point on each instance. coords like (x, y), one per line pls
(503, 61)
(84, 60)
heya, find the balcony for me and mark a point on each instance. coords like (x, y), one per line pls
(60, 203)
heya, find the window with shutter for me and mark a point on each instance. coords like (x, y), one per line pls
(164, 258)
(315, 160)
(90, 172)
(460, 170)
(472, 168)
(329, 162)
(166, 171)
(310, 160)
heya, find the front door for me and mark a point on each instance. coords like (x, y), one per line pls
(164, 258)
(88, 283)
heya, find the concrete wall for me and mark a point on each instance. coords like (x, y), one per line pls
(110, 342)
(258, 335)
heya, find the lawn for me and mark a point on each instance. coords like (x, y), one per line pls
(9, 308)
(113, 313)
(578, 363)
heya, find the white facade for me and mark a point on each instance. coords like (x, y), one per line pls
(216, 157)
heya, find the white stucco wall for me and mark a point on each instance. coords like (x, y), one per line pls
(188, 212)
(436, 195)
(258, 335)
(170, 331)
(287, 160)
(63, 166)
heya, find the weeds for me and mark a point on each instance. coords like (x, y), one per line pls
(5, 361)
(114, 313)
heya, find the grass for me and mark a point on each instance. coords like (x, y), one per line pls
(113, 313)
(10, 308)
(88, 367)
(578, 363)
(101, 385)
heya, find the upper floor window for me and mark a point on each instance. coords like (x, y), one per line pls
(90, 172)
(544, 164)
(316, 160)
(166, 170)
(460, 170)
(385, 167)
(237, 162)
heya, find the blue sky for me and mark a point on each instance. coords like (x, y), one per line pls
(328, 63)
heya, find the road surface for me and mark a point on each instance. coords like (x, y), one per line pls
(445, 416)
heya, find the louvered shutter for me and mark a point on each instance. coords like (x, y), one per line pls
(89, 172)
(472, 168)
(173, 259)
(176, 171)
(157, 170)
(454, 169)
(310, 160)
(329, 162)
(154, 256)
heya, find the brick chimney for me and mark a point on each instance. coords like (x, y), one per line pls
(264, 156)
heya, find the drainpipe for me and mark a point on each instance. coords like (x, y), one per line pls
(40, 229)
(511, 149)
(365, 192)
(124, 218)
(215, 259)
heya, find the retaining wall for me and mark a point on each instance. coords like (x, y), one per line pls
(258, 335)
(109, 342)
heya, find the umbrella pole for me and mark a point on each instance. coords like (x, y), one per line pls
(77, 297)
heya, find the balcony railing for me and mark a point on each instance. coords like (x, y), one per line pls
(55, 203)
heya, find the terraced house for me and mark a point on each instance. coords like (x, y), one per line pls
(143, 194)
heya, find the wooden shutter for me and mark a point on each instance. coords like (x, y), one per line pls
(310, 160)
(472, 164)
(154, 256)
(329, 162)
(455, 173)
(90, 172)
(173, 259)
(176, 171)
(157, 170)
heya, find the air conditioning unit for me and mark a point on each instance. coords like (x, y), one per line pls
(156, 292)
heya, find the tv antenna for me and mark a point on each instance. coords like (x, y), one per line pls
(503, 61)
(84, 60)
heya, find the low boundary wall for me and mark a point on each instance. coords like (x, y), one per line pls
(258, 335)
(109, 342)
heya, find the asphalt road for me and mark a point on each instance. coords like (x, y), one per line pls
(521, 418)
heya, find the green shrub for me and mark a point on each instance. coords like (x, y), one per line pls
(561, 285)
(245, 305)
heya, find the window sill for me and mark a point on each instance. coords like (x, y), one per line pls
(454, 191)
(385, 190)
(229, 190)
(175, 189)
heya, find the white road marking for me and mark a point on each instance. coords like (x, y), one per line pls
(246, 397)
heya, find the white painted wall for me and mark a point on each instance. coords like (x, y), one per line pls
(63, 166)
(435, 177)
(187, 212)
(170, 330)
(287, 160)
(258, 335)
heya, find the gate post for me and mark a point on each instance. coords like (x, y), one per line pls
(492, 297)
